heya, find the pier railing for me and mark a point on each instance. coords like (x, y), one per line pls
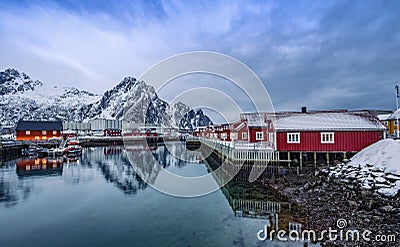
(240, 151)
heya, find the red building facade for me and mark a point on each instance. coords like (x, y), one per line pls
(327, 131)
(344, 141)
(38, 130)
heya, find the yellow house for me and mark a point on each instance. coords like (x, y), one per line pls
(390, 121)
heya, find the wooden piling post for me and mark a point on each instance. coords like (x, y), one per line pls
(315, 159)
(301, 160)
(327, 158)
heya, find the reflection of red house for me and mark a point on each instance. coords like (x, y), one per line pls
(112, 132)
(39, 166)
(38, 130)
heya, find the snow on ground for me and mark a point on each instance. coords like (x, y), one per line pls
(376, 167)
(383, 155)
(7, 137)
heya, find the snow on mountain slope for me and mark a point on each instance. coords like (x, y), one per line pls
(23, 98)
(11, 81)
(111, 105)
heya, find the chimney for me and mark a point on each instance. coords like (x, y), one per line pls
(304, 109)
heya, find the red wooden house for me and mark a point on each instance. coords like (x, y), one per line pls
(38, 130)
(225, 132)
(112, 132)
(340, 131)
(260, 127)
(237, 128)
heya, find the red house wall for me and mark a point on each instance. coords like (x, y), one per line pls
(345, 141)
(254, 130)
(21, 135)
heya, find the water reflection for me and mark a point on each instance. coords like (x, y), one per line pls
(255, 200)
(147, 160)
(117, 169)
(39, 167)
(12, 190)
(17, 177)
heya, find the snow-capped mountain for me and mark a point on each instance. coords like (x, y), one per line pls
(23, 98)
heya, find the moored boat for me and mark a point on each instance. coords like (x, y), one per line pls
(32, 150)
(73, 148)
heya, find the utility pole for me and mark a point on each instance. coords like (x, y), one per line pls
(397, 109)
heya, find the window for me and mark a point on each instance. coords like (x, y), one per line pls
(54, 132)
(244, 135)
(395, 123)
(293, 137)
(259, 136)
(37, 138)
(44, 132)
(327, 137)
(28, 132)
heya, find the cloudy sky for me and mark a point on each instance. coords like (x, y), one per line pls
(319, 54)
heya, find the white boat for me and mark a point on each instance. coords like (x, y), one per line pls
(56, 151)
(32, 150)
(73, 148)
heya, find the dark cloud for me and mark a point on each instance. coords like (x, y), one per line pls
(323, 54)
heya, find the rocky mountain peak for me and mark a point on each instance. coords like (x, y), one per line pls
(72, 104)
(12, 81)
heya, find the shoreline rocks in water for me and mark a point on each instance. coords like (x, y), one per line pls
(328, 195)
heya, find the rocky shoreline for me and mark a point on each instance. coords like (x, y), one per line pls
(324, 200)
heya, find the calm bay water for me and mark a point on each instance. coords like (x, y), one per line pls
(98, 200)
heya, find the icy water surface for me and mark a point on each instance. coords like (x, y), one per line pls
(98, 200)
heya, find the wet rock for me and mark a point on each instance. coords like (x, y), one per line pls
(386, 209)
(352, 203)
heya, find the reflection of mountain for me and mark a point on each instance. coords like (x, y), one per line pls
(147, 161)
(12, 189)
(116, 169)
(19, 177)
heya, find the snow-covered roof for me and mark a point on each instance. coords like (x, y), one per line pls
(328, 121)
(240, 126)
(395, 115)
(383, 117)
(256, 120)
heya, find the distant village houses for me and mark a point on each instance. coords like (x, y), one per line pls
(390, 122)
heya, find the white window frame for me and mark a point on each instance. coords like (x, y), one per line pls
(270, 137)
(293, 137)
(327, 137)
(54, 132)
(224, 136)
(28, 132)
(44, 132)
(244, 135)
(259, 136)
